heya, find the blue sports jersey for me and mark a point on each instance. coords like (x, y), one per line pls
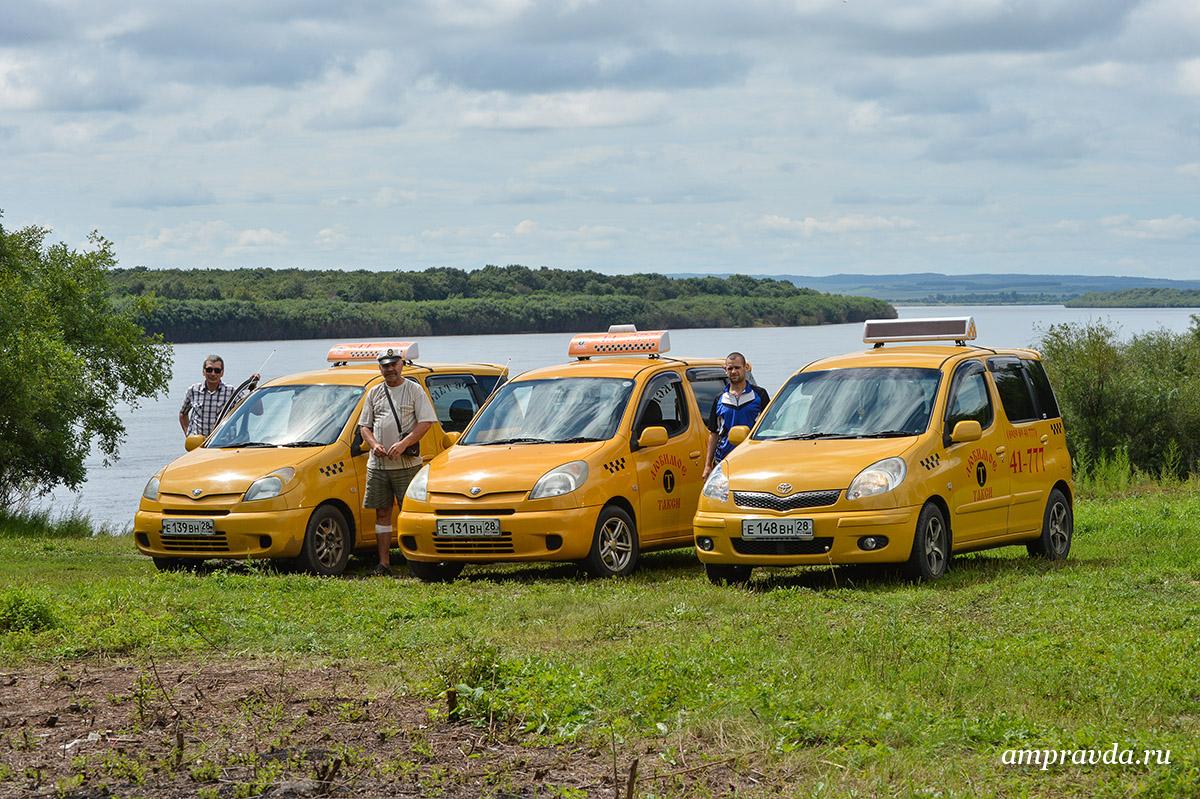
(729, 411)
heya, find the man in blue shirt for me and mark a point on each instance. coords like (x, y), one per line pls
(739, 404)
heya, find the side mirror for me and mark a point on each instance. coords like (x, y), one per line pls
(450, 439)
(967, 430)
(738, 434)
(654, 436)
(193, 441)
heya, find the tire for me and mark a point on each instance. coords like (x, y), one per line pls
(442, 572)
(1058, 528)
(327, 543)
(176, 564)
(727, 574)
(931, 545)
(614, 551)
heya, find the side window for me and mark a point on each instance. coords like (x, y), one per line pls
(664, 404)
(453, 400)
(969, 398)
(485, 385)
(1013, 388)
(1042, 392)
(707, 384)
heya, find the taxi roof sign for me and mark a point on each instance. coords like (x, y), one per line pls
(371, 350)
(957, 328)
(620, 340)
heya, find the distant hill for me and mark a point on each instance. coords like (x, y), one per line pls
(1139, 298)
(1002, 289)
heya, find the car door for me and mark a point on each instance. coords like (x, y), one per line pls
(978, 478)
(1027, 435)
(665, 508)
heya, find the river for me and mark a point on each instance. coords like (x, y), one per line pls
(111, 492)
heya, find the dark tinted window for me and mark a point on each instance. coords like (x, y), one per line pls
(663, 405)
(1013, 389)
(707, 385)
(1042, 391)
(485, 385)
(969, 398)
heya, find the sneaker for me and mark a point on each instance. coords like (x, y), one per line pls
(382, 571)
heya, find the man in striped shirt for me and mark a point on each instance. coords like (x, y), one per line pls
(202, 406)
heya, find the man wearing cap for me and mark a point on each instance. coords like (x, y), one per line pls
(395, 416)
(740, 404)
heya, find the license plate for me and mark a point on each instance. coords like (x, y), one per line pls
(468, 527)
(777, 528)
(188, 527)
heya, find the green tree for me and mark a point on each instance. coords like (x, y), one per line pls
(67, 357)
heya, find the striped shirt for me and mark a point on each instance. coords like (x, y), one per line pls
(203, 407)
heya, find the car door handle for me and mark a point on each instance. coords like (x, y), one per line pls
(1000, 452)
(694, 455)
(1045, 438)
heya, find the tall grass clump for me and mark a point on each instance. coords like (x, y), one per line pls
(1131, 407)
(21, 522)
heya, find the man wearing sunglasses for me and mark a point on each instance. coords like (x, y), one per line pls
(202, 406)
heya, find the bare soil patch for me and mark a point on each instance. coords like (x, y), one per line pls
(95, 729)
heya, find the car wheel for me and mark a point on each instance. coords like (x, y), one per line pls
(614, 550)
(442, 572)
(727, 574)
(1058, 528)
(931, 545)
(327, 542)
(176, 564)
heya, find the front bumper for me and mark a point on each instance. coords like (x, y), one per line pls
(261, 534)
(561, 534)
(836, 536)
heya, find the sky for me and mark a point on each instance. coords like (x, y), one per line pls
(809, 137)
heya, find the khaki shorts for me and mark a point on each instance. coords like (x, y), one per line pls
(384, 484)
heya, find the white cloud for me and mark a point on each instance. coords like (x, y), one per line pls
(598, 109)
(525, 227)
(256, 239)
(1192, 170)
(1175, 226)
(852, 223)
(330, 237)
(1188, 77)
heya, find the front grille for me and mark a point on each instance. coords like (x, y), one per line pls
(475, 512)
(492, 545)
(195, 543)
(805, 499)
(182, 512)
(812, 546)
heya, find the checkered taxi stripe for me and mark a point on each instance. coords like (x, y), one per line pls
(333, 469)
(932, 461)
(615, 466)
(1056, 428)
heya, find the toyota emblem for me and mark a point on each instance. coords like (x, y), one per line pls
(785, 488)
(196, 492)
(475, 491)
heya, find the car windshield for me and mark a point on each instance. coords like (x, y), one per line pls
(873, 402)
(288, 416)
(551, 411)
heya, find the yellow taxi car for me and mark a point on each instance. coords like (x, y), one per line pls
(901, 454)
(283, 475)
(592, 461)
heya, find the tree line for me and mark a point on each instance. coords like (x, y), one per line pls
(223, 305)
(1138, 298)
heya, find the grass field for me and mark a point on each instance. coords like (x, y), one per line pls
(820, 682)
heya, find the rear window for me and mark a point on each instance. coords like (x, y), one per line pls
(1014, 389)
(1042, 392)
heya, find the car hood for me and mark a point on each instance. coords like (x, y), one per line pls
(502, 468)
(807, 465)
(226, 471)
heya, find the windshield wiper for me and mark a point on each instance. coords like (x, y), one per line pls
(247, 444)
(516, 441)
(575, 440)
(303, 444)
(888, 434)
(809, 436)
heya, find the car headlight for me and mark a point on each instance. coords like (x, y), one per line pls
(559, 481)
(271, 485)
(418, 487)
(878, 478)
(151, 490)
(717, 485)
